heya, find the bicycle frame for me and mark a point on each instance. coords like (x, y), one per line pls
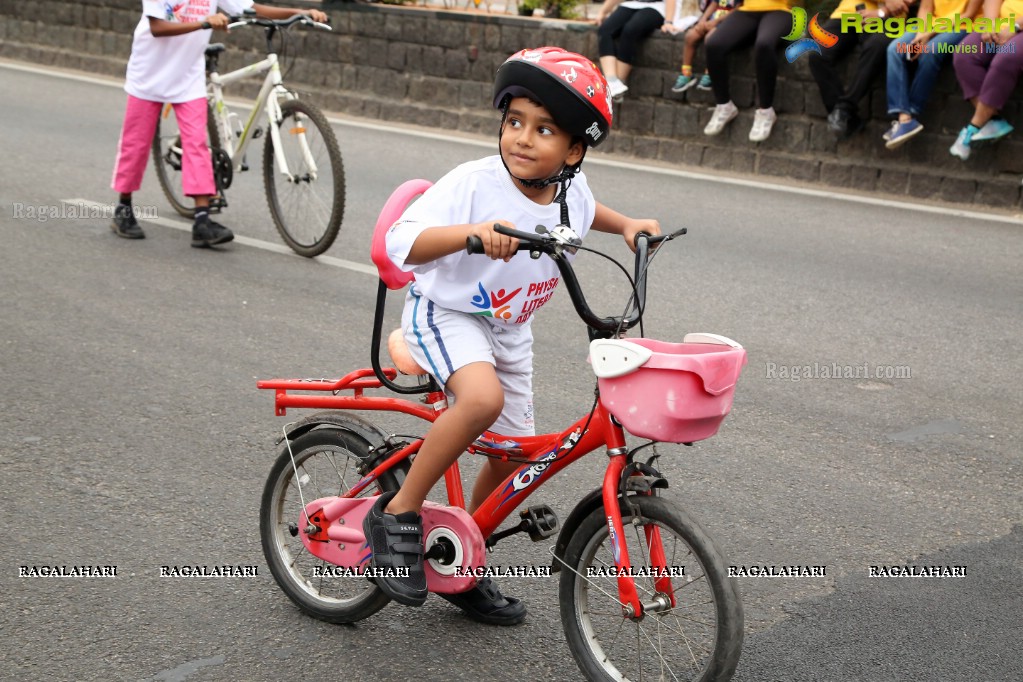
(542, 451)
(273, 84)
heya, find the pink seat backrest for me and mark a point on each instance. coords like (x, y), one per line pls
(395, 206)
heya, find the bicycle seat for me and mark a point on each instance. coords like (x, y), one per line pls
(390, 274)
(213, 49)
(403, 361)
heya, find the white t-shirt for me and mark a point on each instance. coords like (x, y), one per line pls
(643, 4)
(507, 293)
(173, 68)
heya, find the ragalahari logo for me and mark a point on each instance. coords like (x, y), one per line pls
(818, 36)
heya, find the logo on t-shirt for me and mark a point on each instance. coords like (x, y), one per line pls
(175, 12)
(495, 303)
(188, 10)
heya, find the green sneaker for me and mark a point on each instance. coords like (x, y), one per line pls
(683, 83)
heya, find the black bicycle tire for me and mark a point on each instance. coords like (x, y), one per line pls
(372, 599)
(317, 118)
(188, 211)
(729, 625)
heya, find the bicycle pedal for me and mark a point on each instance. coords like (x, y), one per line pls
(540, 522)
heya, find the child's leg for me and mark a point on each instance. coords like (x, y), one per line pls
(140, 117)
(694, 36)
(477, 404)
(196, 166)
(197, 172)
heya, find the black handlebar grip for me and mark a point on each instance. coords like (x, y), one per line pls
(473, 245)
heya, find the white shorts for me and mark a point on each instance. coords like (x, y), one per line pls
(443, 341)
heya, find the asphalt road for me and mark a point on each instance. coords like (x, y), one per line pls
(133, 435)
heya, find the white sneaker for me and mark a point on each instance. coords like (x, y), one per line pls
(763, 121)
(723, 114)
(616, 87)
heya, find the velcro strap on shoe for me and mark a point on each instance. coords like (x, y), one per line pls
(407, 548)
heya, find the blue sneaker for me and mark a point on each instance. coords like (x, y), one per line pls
(888, 133)
(704, 83)
(902, 132)
(992, 130)
(683, 83)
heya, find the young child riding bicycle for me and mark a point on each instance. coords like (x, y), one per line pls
(466, 318)
(167, 65)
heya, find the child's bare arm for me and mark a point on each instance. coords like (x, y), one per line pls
(437, 242)
(608, 220)
(268, 12)
(161, 28)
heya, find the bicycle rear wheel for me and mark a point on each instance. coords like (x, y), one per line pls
(700, 638)
(167, 156)
(306, 207)
(329, 461)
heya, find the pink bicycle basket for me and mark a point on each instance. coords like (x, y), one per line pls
(668, 392)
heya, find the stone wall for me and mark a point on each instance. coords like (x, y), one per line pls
(435, 68)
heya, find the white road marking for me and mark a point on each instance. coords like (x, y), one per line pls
(185, 226)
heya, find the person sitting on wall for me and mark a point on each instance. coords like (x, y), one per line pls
(714, 12)
(763, 23)
(842, 102)
(908, 93)
(988, 75)
(621, 28)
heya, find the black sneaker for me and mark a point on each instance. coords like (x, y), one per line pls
(486, 604)
(124, 223)
(207, 233)
(843, 122)
(396, 541)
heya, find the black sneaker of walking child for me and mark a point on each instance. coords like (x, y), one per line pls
(396, 541)
(124, 223)
(486, 604)
(205, 233)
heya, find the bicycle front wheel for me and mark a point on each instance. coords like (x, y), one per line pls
(167, 156)
(697, 639)
(328, 462)
(308, 202)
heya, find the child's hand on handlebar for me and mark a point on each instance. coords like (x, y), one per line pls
(317, 15)
(218, 21)
(634, 226)
(496, 245)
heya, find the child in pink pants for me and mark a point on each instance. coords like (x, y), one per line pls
(167, 65)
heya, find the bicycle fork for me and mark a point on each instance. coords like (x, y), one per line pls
(632, 607)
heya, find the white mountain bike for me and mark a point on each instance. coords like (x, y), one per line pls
(302, 169)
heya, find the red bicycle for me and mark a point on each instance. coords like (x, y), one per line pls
(644, 591)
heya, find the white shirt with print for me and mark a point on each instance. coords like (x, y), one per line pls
(506, 293)
(173, 68)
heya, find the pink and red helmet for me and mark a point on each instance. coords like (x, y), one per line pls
(569, 85)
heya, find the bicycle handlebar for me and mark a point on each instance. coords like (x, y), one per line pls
(537, 244)
(237, 21)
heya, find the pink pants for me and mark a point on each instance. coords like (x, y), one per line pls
(140, 117)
